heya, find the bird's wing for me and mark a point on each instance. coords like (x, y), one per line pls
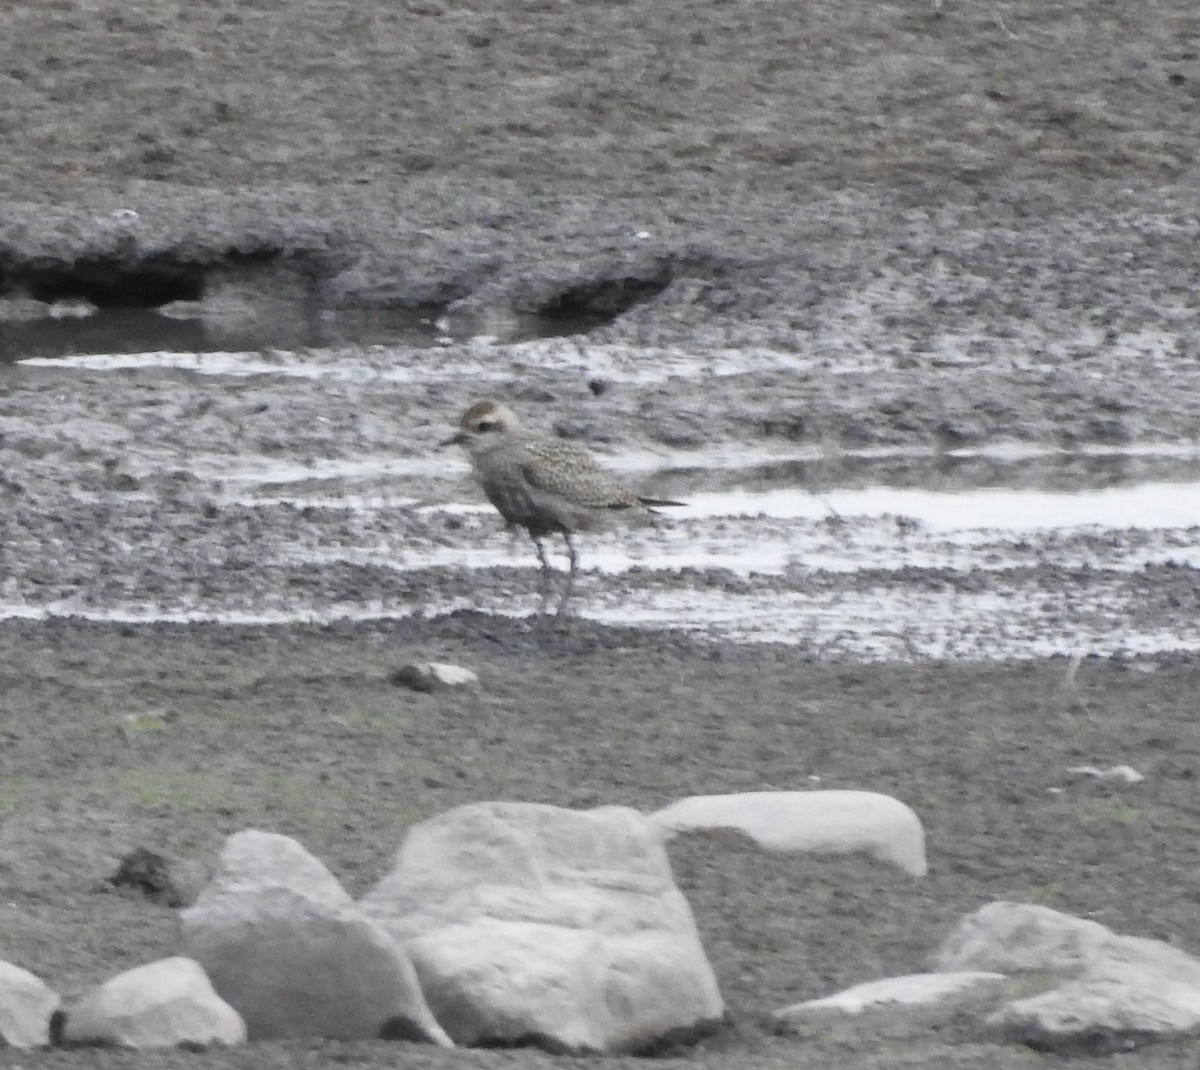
(569, 472)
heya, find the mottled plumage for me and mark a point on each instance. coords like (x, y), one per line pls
(543, 484)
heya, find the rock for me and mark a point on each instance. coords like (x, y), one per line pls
(22, 309)
(531, 923)
(26, 1004)
(1114, 772)
(285, 945)
(911, 990)
(823, 822)
(164, 1004)
(1113, 992)
(431, 676)
(72, 308)
(1013, 937)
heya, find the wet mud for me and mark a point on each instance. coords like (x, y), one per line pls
(307, 486)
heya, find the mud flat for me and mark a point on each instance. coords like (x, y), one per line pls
(901, 299)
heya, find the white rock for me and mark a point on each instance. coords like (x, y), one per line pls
(1150, 997)
(26, 1004)
(161, 1005)
(1113, 772)
(434, 676)
(453, 675)
(823, 822)
(911, 990)
(1012, 937)
(285, 945)
(72, 308)
(529, 922)
(22, 309)
(1120, 989)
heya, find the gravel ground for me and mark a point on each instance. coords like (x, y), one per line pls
(171, 737)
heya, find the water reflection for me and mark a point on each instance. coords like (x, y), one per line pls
(148, 331)
(941, 472)
(995, 509)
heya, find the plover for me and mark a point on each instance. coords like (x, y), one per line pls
(544, 485)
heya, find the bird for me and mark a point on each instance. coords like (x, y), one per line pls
(545, 485)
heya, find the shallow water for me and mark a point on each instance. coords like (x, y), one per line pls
(79, 336)
(876, 572)
(1146, 505)
(1016, 550)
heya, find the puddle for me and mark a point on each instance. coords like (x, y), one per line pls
(875, 622)
(774, 534)
(1016, 466)
(398, 358)
(112, 339)
(1107, 490)
(1011, 551)
(1155, 505)
(756, 468)
(280, 363)
(962, 627)
(124, 339)
(889, 624)
(870, 570)
(877, 572)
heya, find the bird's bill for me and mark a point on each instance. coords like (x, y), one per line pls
(454, 440)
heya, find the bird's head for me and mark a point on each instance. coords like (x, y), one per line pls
(483, 422)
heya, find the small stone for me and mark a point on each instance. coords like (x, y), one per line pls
(430, 676)
(1114, 772)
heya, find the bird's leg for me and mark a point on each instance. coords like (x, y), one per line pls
(573, 554)
(544, 585)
